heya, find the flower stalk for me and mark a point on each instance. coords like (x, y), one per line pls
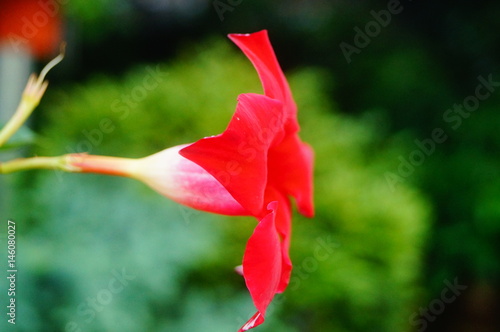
(32, 94)
(62, 163)
(74, 163)
(87, 163)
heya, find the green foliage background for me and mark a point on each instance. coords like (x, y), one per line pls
(76, 230)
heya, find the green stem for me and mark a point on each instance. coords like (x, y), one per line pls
(75, 163)
(62, 163)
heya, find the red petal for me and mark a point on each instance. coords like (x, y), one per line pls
(283, 222)
(291, 172)
(262, 264)
(259, 51)
(256, 320)
(237, 158)
(284, 228)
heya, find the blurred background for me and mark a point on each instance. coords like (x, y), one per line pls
(398, 98)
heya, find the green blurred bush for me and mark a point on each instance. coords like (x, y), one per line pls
(357, 263)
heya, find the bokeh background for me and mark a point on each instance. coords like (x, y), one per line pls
(398, 98)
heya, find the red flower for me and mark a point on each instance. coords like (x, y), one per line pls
(261, 162)
(252, 168)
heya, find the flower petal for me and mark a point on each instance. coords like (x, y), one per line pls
(259, 51)
(291, 172)
(262, 265)
(237, 158)
(283, 222)
(256, 320)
